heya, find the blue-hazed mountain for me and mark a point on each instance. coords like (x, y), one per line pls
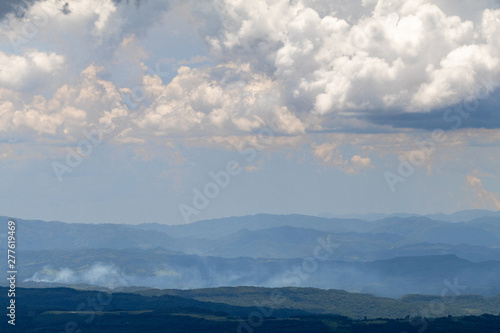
(407, 226)
(392, 256)
(460, 216)
(41, 235)
(214, 229)
(276, 236)
(163, 269)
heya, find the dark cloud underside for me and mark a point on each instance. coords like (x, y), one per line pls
(476, 114)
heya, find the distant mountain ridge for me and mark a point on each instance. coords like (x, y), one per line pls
(391, 256)
(460, 216)
(276, 236)
(159, 268)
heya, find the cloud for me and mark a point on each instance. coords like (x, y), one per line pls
(482, 197)
(254, 167)
(297, 66)
(13, 6)
(292, 67)
(71, 109)
(198, 102)
(462, 73)
(406, 56)
(32, 69)
(359, 162)
(229, 97)
(329, 154)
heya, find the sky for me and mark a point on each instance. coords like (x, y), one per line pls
(178, 111)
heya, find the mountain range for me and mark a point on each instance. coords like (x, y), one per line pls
(392, 256)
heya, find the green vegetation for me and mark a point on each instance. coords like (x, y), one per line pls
(352, 305)
(67, 310)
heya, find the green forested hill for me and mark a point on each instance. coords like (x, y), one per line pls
(353, 305)
(55, 310)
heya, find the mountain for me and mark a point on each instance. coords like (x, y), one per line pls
(423, 229)
(291, 310)
(276, 236)
(460, 216)
(366, 217)
(277, 242)
(214, 229)
(392, 256)
(332, 301)
(41, 235)
(162, 269)
(464, 215)
(239, 301)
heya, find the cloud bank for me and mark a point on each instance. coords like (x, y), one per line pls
(299, 64)
(325, 88)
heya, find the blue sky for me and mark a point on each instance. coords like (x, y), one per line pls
(176, 111)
